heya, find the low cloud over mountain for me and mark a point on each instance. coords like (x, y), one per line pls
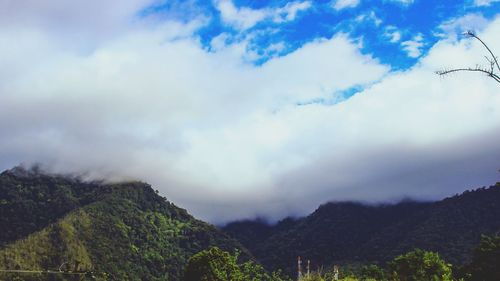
(228, 127)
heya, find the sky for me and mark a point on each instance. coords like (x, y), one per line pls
(238, 109)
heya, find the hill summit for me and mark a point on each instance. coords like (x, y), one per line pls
(122, 231)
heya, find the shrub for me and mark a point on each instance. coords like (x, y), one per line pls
(419, 265)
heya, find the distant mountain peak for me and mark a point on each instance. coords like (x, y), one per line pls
(125, 230)
(347, 232)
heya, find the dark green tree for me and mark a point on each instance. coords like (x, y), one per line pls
(215, 264)
(372, 272)
(419, 265)
(252, 271)
(485, 264)
(212, 265)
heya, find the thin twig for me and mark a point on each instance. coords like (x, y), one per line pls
(470, 33)
(492, 62)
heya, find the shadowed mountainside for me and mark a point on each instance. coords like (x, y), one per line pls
(348, 232)
(127, 231)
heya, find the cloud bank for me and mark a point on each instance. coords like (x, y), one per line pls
(242, 18)
(484, 2)
(228, 139)
(342, 4)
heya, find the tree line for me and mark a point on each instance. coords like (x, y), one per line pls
(215, 264)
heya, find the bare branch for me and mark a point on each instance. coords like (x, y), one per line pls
(472, 34)
(491, 60)
(477, 69)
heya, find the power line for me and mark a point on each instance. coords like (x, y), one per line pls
(42, 271)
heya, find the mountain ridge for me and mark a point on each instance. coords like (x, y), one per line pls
(120, 231)
(353, 232)
(124, 231)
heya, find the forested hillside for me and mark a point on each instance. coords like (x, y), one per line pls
(348, 232)
(118, 231)
(126, 231)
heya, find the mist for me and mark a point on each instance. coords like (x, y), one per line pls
(227, 139)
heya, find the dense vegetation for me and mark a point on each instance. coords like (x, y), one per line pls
(215, 264)
(127, 231)
(417, 265)
(485, 263)
(119, 231)
(353, 233)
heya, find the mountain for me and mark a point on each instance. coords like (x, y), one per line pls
(126, 231)
(350, 232)
(122, 231)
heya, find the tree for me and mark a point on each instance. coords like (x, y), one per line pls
(372, 272)
(491, 58)
(485, 264)
(419, 265)
(252, 271)
(212, 265)
(215, 264)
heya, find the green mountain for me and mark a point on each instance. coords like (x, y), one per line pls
(350, 233)
(120, 231)
(126, 231)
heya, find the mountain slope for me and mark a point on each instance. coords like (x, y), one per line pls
(340, 233)
(452, 227)
(122, 231)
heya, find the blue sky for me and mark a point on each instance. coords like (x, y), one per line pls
(237, 109)
(382, 27)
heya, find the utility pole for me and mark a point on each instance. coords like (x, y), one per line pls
(335, 273)
(308, 268)
(299, 268)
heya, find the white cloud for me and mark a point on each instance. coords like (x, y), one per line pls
(290, 10)
(342, 4)
(393, 34)
(369, 16)
(453, 28)
(484, 2)
(414, 47)
(226, 140)
(150, 104)
(241, 18)
(83, 21)
(275, 49)
(403, 2)
(219, 42)
(244, 18)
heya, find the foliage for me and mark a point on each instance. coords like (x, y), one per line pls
(216, 265)
(127, 231)
(212, 265)
(485, 264)
(120, 231)
(313, 276)
(30, 201)
(419, 265)
(327, 276)
(372, 272)
(347, 233)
